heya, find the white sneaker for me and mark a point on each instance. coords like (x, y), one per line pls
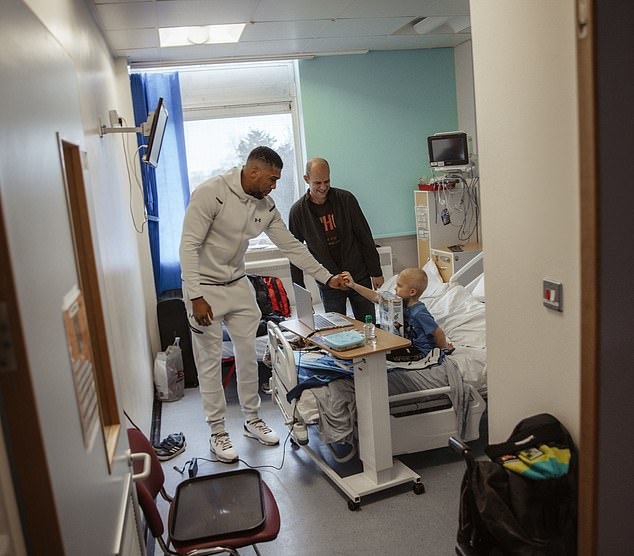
(265, 387)
(220, 445)
(258, 429)
(300, 433)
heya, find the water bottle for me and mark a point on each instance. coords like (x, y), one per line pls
(369, 331)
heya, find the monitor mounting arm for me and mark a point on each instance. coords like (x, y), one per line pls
(144, 128)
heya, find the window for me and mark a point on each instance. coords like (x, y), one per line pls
(231, 109)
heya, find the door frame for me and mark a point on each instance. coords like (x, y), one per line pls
(22, 432)
(588, 177)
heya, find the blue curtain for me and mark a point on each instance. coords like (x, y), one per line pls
(166, 187)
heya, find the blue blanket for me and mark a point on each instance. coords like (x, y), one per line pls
(317, 369)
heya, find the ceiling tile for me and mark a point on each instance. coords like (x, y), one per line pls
(364, 27)
(125, 39)
(133, 15)
(413, 8)
(284, 10)
(117, 1)
(272, 30)
(180, 13)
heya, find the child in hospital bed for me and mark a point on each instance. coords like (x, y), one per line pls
(420, 326)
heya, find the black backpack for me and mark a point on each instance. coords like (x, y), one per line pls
(505, 513)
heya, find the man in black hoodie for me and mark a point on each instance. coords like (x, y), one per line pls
(331, 223)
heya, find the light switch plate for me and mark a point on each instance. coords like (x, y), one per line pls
(552, 295)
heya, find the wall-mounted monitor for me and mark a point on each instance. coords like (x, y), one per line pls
(448, 149)
(157, 130)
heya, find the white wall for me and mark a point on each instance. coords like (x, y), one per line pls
(525, 91)
(58, 76)
(465, 99)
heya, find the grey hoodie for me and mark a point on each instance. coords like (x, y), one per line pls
(219, 222)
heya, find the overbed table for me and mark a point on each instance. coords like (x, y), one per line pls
(380, 470)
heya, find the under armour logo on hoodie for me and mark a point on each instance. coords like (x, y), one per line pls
(257, 220)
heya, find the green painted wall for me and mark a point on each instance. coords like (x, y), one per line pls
(370, 116)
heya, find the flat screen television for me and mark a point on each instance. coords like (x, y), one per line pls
(448, 149)
(157, 130)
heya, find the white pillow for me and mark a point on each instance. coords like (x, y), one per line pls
(477, 288)
(389, 285)
(435, 285)
(434, 280)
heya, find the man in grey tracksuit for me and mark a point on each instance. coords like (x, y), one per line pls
(224, 212)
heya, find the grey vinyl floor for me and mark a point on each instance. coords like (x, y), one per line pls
(315, 519)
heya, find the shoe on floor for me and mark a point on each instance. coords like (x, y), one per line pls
(265, 387)
(170, 446)
(220, 445)
(300, 433)
(258, 429)
(342, 452)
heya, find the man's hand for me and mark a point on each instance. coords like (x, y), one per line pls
(337, 282)
(201, 311)
(347, 278)
(377, 281)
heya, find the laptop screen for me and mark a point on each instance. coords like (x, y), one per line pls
(304, 306)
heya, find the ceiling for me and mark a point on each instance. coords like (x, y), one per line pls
(278, 28)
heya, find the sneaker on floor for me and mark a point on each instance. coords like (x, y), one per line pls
(300, 433)
(258, 429)
(265, 387)
(170, 446)
(342, 452)
(220, 445)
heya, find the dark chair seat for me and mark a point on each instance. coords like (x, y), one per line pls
(260, 521)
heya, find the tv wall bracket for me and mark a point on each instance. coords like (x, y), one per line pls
(114, 118)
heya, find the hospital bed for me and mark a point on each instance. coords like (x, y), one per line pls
(421, 420)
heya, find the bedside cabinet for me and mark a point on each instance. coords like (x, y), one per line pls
(450, 262)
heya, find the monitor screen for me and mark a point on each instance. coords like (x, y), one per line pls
(448, 149)
(157, 130)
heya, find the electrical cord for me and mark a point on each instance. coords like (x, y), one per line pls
(466, 203)
(192, 464)
(124, 140)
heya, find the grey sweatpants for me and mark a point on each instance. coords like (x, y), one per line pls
(235, 305)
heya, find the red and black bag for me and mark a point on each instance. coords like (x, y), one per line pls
(278, 296)
(272, 300)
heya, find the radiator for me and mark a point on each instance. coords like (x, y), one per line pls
(385, 259)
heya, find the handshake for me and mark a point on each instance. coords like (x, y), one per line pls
(338, 281)
(345, 281)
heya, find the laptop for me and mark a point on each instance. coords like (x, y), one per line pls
(315, 321)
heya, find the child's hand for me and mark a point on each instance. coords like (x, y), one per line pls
(347, 278)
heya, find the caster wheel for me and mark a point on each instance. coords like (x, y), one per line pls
(419, 488)
(294, 444)
(353, 506)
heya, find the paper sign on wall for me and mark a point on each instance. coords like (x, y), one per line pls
(80, 352)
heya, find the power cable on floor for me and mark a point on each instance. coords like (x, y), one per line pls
(191, 465)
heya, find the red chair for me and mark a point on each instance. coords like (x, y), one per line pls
(208, 514)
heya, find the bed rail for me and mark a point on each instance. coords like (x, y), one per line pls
(470, 271)
(432, 392)
(419, 394)
(282, 357)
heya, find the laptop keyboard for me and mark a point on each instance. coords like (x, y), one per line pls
(323, 322)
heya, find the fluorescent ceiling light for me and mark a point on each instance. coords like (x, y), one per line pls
(459, 23)
(456, 24)
(206, 34)
(429, 24)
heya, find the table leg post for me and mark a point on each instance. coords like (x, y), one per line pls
(375, 437)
